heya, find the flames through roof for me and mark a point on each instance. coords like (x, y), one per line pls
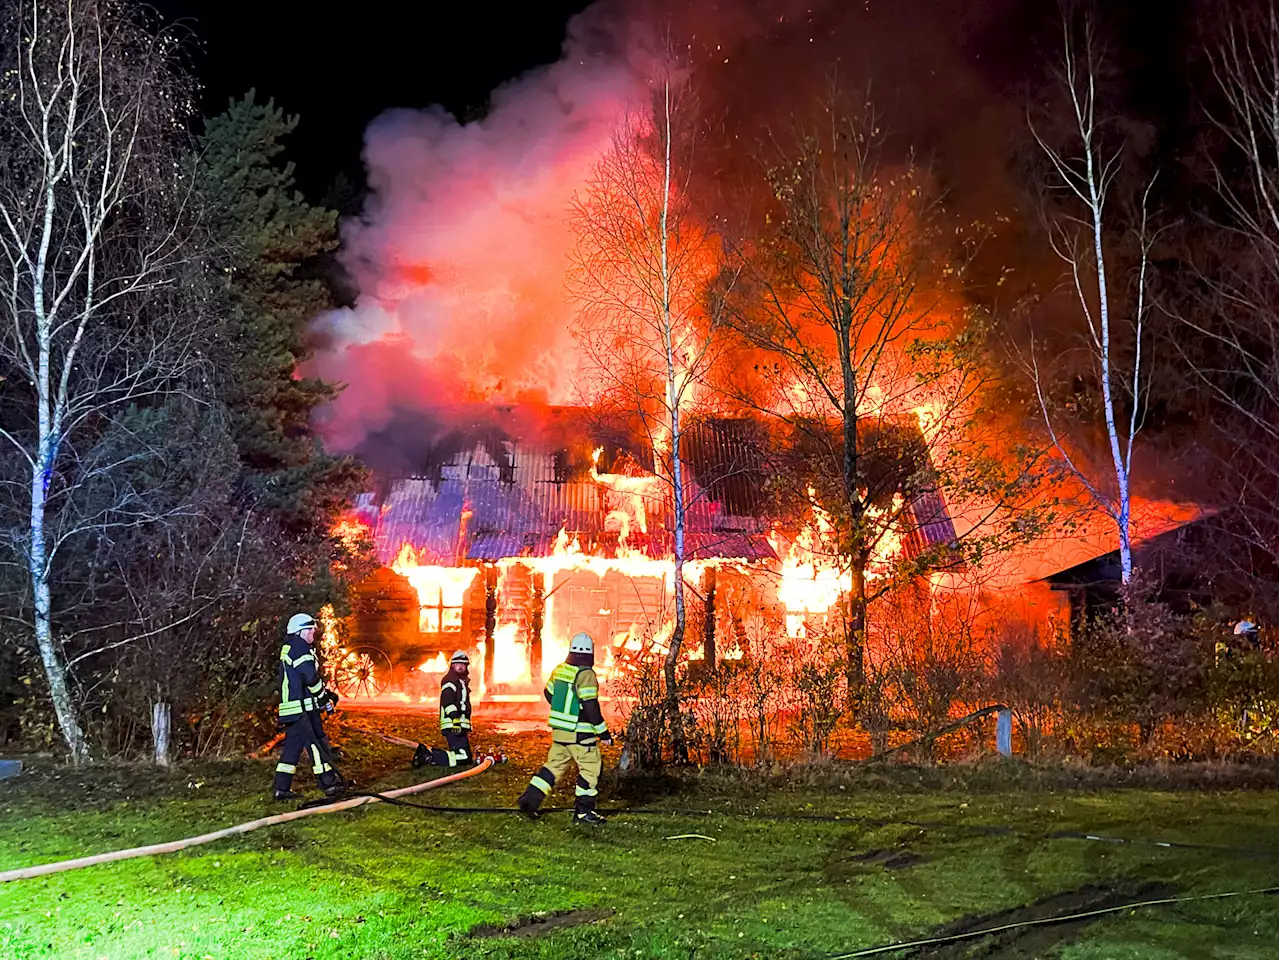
(497, 498)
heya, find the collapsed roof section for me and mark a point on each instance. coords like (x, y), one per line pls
(496, 499)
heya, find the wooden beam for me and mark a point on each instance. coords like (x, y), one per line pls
(709, 617)
(490, 621)
(537, 605)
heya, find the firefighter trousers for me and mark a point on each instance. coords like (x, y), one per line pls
(589, 763)
(457, 749)
(306, 734)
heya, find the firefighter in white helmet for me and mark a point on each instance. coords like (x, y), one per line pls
(577, 730)
(455, 717)
(302, 697)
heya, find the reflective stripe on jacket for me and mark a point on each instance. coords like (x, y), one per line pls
(574, 695)
(300, 682)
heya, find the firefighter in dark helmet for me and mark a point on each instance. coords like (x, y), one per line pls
(455, 718)
(302, 697)
(577, 730)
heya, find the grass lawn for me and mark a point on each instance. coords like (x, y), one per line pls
(390, 882)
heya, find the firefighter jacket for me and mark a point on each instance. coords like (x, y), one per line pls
(574, 695)
(300, 683)
(455, 702)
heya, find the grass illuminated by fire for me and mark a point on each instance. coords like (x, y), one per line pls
(388, 882)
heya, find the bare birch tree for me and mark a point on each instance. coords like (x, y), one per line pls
(1084, 177)
(92, 108)
(1225, 303)
(647, 323)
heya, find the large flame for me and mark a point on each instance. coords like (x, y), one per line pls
(815, 576)
(441, 590)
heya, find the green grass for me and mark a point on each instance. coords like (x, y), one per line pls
(388, 882)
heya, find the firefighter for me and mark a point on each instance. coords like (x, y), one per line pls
(302, 697)
(577, 730)
(455, 717)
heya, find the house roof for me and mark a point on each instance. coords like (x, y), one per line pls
(488, 506)
(498, 499)
(1153, 523)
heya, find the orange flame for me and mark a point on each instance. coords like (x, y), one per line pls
(441, 590)
(814, 574)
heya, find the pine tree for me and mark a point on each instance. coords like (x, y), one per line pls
(271, 243)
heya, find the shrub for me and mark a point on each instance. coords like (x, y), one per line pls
(1027, 674)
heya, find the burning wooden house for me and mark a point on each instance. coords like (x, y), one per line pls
(506, 547)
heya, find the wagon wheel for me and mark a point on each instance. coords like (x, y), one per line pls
(362, 672)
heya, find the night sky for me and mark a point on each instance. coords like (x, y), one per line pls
(339, 71)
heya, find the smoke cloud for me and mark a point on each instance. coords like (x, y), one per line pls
(460, 255)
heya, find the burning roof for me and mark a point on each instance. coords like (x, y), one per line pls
(496, 498)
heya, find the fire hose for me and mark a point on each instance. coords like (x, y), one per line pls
(1044, 921)
(359, 799)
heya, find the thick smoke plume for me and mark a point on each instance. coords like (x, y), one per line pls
(460, 256)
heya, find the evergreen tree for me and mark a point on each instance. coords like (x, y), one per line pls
(272, 243)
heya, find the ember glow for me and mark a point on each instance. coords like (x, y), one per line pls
(436, 665)
(813, 579)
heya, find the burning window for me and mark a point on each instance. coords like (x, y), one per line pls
(436, 614)
(441, 591)
(560, 466)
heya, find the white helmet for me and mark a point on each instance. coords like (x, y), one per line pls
(300, 621)
(460, 656)
(582, 643)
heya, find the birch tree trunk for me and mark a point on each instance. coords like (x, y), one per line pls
(89, 102)
(674, 392)
(643, 264)
(54, 669)
(1085, 172)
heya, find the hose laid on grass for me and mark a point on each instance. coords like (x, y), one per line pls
(24, 873)
(1042, 921)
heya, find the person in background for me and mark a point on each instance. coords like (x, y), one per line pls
(455, 717)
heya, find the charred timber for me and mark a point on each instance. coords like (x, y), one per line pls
(709, 617)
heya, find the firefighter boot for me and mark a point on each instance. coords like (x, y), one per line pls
(530, 801)
(282, 787)
(334, 785)
(584, 811)
(421, 756)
